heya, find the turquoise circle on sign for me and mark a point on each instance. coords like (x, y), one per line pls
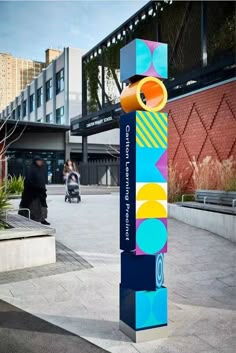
(151, 236)
(159, 60)
(143, 57)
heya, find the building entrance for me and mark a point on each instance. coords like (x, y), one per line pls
(19, 162)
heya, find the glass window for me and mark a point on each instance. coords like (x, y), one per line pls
(60, 116)
(60, 81)
(24, 108)
(32, 103)
(39, 97)
(49, 118)
(19, 112)
(48, 90)
(13, 114)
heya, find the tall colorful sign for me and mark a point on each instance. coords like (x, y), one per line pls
(143, 190)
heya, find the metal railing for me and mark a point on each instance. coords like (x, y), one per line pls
(16, 210)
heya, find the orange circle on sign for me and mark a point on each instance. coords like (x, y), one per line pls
(149, 88)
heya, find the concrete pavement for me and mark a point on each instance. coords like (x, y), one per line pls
(200, 273)
(21, 332)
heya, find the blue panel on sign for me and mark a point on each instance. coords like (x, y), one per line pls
(143, 309)
(141, 58)
(159, 270)
(138, 272)
(127, 306)
(127, 61)
(147, 165)
(127, 181)
(151, 308)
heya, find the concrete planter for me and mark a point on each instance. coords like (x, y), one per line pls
(221, 224)
(26, 244)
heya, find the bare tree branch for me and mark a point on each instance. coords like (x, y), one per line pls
(9, 133)
(17, 138)
(9, 116)
(110, 149)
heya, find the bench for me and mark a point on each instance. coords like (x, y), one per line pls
(216, 197)
(212, 200)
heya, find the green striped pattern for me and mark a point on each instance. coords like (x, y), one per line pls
(151, 129)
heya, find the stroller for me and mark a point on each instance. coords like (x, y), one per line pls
(73, 187)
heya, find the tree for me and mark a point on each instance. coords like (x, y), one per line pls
(7, 137)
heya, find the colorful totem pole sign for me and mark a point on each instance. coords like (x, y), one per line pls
(143, 190)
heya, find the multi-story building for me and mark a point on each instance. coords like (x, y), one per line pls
(46, 106)
(51, 54)
(15, 73)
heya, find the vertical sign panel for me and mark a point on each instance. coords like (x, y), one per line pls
(143, 191)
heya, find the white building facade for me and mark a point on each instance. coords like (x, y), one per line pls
(50, 101)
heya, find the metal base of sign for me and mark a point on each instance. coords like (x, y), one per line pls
(144, 335)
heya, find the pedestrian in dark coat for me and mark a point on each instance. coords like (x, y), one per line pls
(35, 192)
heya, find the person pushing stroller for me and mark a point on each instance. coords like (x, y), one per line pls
(68, 168)
(72, 182)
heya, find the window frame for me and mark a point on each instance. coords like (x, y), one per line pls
(60, 81)
(24, 110)
(50, 120)
(62, 115)
(39, 97)
(18, 112)
(32, 103)
(49, 91)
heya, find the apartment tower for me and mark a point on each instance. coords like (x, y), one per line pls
(15, 74)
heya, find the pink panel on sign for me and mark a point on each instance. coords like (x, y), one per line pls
(138, 251)
(139, 221)
(152, 45)
(161, 165)
(151, 72)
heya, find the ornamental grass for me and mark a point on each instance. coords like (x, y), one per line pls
(212, 174)
(176, 183)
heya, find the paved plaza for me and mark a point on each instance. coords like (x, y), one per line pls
(200, 274)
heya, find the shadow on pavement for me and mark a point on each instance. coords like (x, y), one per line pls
(21, 332)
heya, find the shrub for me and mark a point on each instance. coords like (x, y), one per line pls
(15, 185)
(211, 174)
(4, 203)
(176, 183)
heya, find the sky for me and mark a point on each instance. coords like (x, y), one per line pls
(28, 28)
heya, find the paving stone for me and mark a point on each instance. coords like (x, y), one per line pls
(199, 273)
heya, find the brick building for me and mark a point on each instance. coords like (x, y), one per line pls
(202, 123)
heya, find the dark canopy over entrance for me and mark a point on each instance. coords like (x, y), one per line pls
(201, 41)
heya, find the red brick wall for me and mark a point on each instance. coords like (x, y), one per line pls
(202, 124)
